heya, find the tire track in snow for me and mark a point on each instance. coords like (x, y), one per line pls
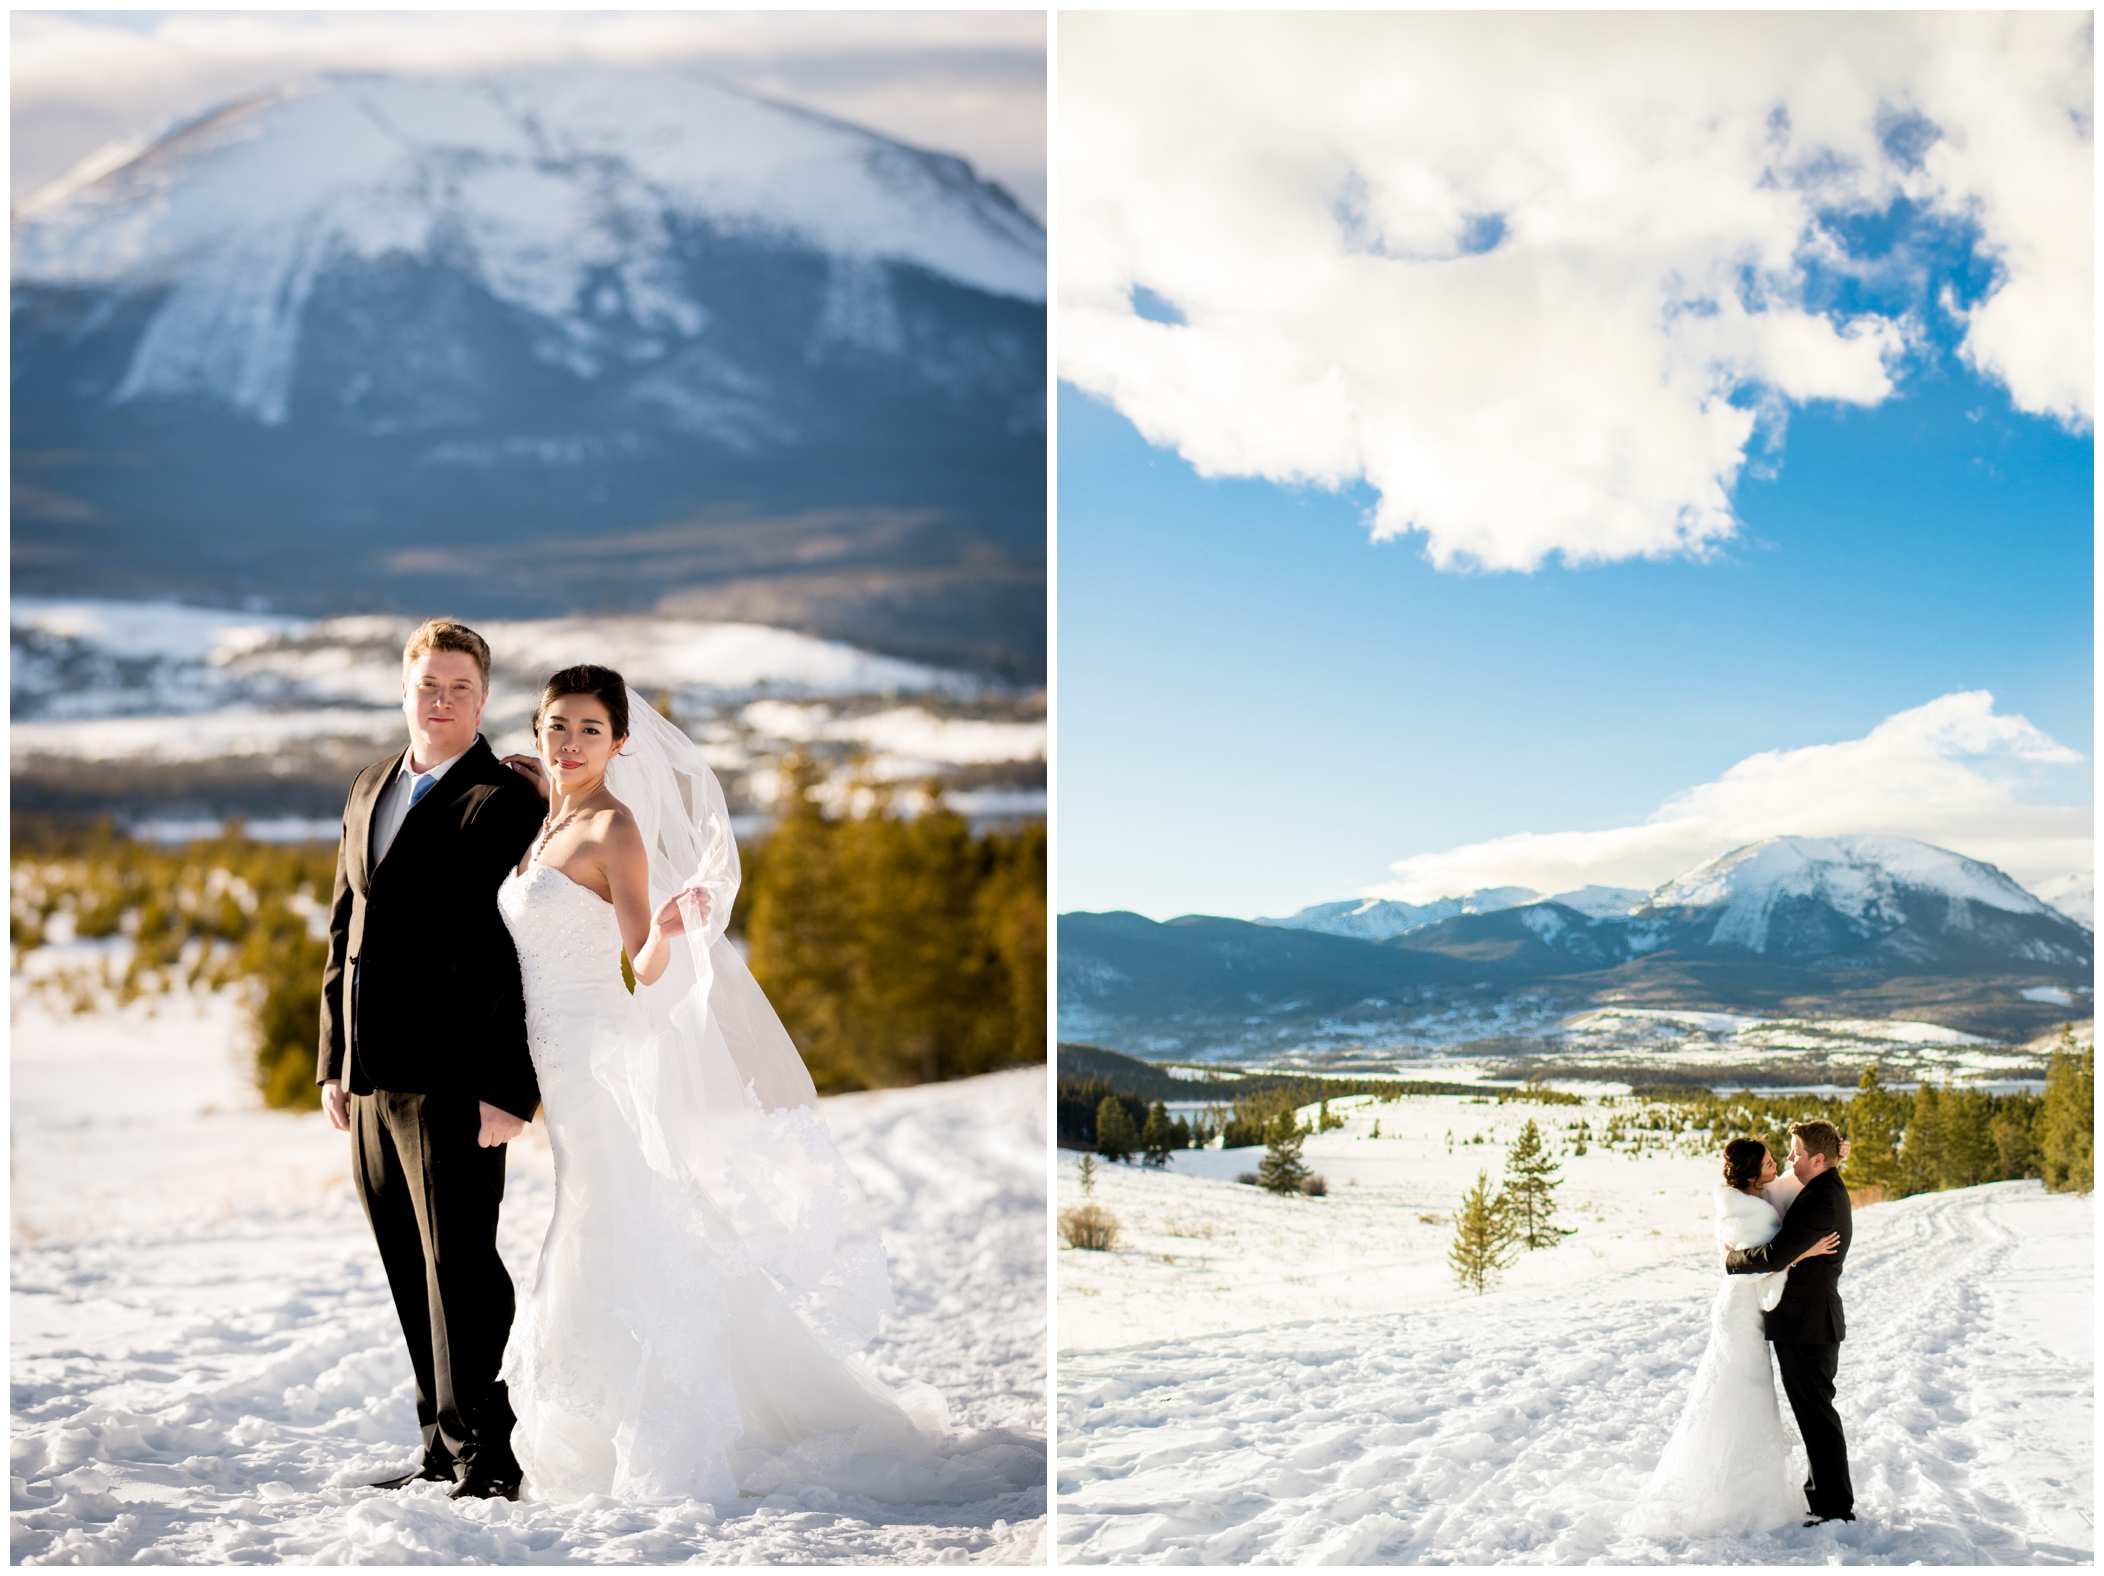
(1518, 1428)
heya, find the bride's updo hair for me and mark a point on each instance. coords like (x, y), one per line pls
(1742, 1162)
(603, 684)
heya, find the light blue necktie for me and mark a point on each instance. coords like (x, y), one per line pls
(418, 787)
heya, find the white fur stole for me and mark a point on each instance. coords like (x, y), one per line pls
(1746, 1220)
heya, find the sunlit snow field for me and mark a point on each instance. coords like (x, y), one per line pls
(1261, 1380)
(161, 685)
(207, 1368)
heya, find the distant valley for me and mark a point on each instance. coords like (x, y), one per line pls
(1872, 947)
(172, 717)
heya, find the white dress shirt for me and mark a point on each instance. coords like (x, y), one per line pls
(396, 798)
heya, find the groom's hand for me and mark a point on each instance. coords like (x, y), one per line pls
(337, 1105)
(499, 1126)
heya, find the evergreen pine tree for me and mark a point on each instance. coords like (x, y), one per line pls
(1086, 1174)
(1116, 1137)
(1918, 1160)
(2015, 1145)
(1966, 1146)
(1530, 1186)
(1874, 1123)
(2067, 1118)
(1281, 1169)
(1483, 1236)
(1157, 1138)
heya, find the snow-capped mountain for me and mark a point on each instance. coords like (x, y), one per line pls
(1861, 927)
(1601, 902)
(351, 335)
(2074, 895)
(1379, 919)
(1813, 896)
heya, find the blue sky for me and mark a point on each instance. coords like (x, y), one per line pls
(1261, 708)
(1551, 449)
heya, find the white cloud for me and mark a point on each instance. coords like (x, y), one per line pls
(968, 83)
(1318, 196)
(1953, 773)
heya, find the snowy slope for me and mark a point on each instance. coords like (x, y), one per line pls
(561, 190)
(1377, 919)
(95, 659)
(1858, 877)
(1862, 878)
(207, 1366)
(1798, 928)
(140, 688)
(1601, 902)
(1363, 1411)
(543, 342)
(2075, 896)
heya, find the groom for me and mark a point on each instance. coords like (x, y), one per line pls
(424, 1024)
(1805, 1327)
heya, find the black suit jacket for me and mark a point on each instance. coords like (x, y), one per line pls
(1810, 1309)
(434, 999)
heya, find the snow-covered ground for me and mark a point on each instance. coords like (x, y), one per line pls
(207, 1368)
(1260, 1380)
(1689, 1041)
(1201, 1254)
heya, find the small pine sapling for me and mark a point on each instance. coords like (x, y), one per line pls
(1281, 1170)
(1484, 1242)
(1530, 1185)
(1086, 1173)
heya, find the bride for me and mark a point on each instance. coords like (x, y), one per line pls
(711, 1271)
(1726, 1468)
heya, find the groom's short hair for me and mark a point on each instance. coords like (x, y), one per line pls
(1819, 1138)
(447, 634)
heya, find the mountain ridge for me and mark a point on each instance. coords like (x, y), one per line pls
(541, 343)
(1811, 927)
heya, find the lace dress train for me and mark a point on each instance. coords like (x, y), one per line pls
(1727, 1466)
(667, 1348)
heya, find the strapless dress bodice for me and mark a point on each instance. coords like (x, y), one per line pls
(569, 946)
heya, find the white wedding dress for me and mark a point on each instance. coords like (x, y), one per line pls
(711, 1272)
(1727, 1467)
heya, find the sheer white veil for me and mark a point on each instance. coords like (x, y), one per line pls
(709, 1080)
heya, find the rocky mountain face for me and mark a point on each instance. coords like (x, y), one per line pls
(1865, 927)
(551, 342)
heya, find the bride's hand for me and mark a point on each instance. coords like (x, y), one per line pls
(1830, 1243)
(669, 920)
(530, 769)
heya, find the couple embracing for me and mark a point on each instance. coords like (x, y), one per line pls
(548, 933)
(1785, 1237)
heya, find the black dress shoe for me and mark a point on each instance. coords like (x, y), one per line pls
(481, 1484)
(429, 1472)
